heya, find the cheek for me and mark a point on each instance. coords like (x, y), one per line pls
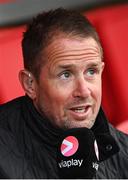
(59, 98)
(55, 96)
(97, 92)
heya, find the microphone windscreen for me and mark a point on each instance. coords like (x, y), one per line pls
(77, 154)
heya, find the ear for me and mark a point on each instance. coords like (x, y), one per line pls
(28, 83)
(102, 66)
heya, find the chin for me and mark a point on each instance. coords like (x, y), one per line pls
(77, 124)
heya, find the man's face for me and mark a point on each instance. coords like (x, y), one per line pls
(69, 88)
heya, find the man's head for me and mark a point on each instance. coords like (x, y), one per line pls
(63, 67)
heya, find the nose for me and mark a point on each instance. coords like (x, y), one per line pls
(81, 88)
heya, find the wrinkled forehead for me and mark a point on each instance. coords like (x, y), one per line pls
(69, 46)
(72, 51)
(62, 43)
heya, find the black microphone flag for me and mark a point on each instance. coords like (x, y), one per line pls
(78, 154)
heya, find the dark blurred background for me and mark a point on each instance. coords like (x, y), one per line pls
(14, 12)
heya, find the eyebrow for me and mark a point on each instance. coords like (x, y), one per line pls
(95, 64)
(68, 66)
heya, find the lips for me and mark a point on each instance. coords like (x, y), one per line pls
(80, 111)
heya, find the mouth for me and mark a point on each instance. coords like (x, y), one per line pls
(80, 112)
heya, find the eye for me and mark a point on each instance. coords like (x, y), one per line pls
(65, 75)
(92, 71)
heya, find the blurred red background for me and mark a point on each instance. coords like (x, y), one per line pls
(112, 25)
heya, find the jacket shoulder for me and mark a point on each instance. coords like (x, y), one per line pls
(10, 110)
(11, 105)
(121, 139)
(115, 167)
(11, 155)
(121, 158)
(10, 115)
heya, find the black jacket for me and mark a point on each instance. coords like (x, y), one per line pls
(28, 144)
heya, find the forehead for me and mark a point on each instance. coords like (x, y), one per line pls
(64, 48)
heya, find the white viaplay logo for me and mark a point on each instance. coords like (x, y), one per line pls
(95, 165)
(69, 146)
(70, 163)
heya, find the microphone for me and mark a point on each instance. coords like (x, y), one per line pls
(77, 154)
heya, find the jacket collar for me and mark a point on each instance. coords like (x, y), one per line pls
(39, 125)
(106, 143)
(48, 134)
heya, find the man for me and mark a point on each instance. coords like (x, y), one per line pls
(63, 64)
